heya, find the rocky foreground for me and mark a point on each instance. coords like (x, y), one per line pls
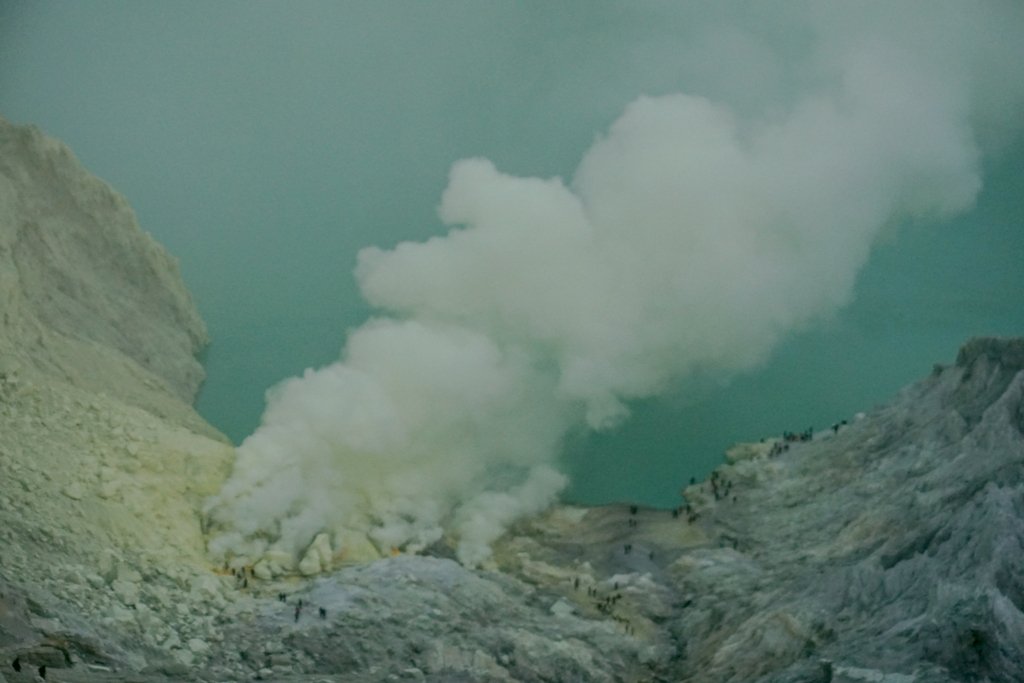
(888, 549)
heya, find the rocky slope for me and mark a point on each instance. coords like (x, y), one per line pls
(887, 549)
(103, 461)
(86, 296)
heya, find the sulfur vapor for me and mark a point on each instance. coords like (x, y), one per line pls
(692, 237)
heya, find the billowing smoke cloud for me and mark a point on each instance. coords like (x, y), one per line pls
(690, 239)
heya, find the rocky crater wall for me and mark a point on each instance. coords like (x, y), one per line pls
(85, 295)
(887, 549)
(104, 464)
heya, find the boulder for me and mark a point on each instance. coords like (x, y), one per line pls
(317, 557)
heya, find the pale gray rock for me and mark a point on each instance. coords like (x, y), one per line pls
(126, 591)
(74, 256)
(898, 554)
(84, 293)
(104, 461)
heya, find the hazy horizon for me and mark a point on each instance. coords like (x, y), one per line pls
(266, 145)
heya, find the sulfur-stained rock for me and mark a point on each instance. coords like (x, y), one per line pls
(317, 557)
(353, 547)
(261, 570)
(746, 451)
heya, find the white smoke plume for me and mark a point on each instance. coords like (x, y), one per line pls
(691, 238)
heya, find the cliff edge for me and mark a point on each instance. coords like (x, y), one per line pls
(104, 462)
(86, 296)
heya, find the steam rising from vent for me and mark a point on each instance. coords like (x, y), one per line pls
(690, 238)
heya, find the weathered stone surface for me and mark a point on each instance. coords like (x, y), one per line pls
(889, 545)
(105, 463)
(76, 267)
(261, 570)
(317, 557)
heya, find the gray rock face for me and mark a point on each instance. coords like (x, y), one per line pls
(434, 616)
(79, 279)
(893, 545)
(103, 461)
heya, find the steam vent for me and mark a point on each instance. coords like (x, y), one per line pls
(887, 549)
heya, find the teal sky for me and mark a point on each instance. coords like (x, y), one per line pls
(264, 144)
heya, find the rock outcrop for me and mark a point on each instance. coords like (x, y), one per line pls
(887, 546)
(888, 549)
(85, 295)
(104, 462)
